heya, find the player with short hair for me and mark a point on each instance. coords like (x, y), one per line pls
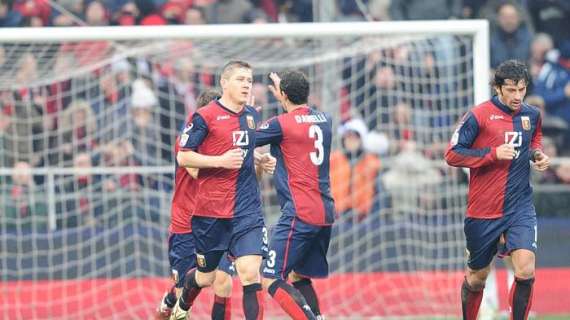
(300, 139)
(181, 253)
(497, 140)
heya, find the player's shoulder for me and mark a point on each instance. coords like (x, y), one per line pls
(530, 110)
(482, 112)
(210, 111)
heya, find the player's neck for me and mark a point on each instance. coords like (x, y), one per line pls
(231, 105)
(293, 107)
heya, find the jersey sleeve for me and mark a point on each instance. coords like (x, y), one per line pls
(269, 132)
(536, 142)
(459, 152)
(193, 134)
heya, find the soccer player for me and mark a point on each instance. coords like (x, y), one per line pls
(300, 139)
(181, 244)
(497, 140)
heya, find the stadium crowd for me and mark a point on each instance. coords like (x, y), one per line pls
(108, 118)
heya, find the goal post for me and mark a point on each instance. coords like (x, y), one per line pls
(88, 118)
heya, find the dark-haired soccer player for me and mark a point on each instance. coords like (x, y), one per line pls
(300, 139)
(497, 140)
(227, 215)
(181, 253)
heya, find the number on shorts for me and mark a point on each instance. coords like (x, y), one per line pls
(271, 258)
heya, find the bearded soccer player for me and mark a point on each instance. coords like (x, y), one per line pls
(181, 253)
(497, 140)
(300, 139)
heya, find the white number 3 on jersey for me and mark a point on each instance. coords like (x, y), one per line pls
(317, 156)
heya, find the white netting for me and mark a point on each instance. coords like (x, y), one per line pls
(92, 243)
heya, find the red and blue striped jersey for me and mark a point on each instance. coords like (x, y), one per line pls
(183, 199)
(496, 187)
(224, 193)
(301, 142)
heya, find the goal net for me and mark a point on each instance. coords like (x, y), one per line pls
(88, 117)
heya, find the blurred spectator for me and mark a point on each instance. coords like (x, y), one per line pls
(36, 12)
(145, 133)
(401, 131)
(379, 9)
(96, 14)
(79, 195)
(380, 96)
(74, 11)
(228, 11)
(350, 10)
(354, 173)
(551, 17)
(409, 179)
(177, 98)
(553, 85)
(127, 15)
(195, 15)
(9, 17)
(23, 204)
(510, 39)
(540, 46)
(77, 130)
(425, 10)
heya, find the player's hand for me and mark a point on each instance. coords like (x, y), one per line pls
(541, 161)
(232, 159)
(506, 152)
(275, 87)
(267, 163)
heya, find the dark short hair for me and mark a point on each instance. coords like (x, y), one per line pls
(230, 66)
(295, 85)
(511, 70)
(206, 96)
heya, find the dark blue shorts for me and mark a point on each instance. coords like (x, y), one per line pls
(182, 257)
(297, 246)
(240, 236)
(482, 235)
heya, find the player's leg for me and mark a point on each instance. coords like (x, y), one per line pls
(314, 264)
(248, 247)
(221, 310)
(521, 243)
(211, 238)
(482, 237)
(290, 241)
(181, 258)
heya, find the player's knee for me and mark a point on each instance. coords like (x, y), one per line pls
(248, 275)
(477, 278)
(205, 279)
(294, 277)
(223, 284)
(247, 268)
(525, 272)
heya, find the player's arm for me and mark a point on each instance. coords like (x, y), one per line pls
(192, 137)
(540, 160)
(459, 152)
(269, 133)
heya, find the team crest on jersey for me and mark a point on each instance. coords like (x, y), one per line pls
(525, 123)
(201, 260)
(250, 122)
